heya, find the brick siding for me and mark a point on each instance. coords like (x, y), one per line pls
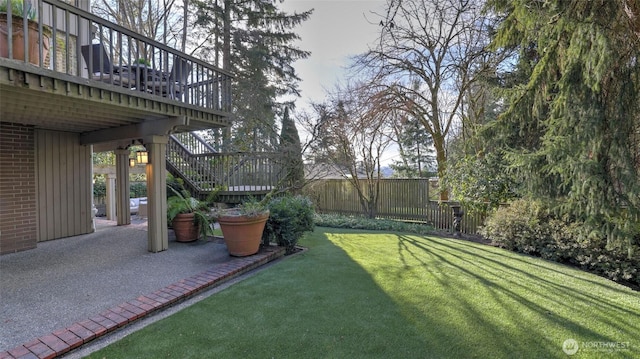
(18, 227)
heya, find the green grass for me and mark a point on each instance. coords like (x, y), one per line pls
(359, 294)
(217, 232)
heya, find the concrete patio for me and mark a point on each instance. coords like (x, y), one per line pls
(65, 293)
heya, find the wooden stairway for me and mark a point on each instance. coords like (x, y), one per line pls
(202, 168)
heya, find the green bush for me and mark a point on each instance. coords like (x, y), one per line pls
(137, 189)
(99, 189)
(529, 227)
(289, 218)
(518, 227)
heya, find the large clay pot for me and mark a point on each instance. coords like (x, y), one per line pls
(185, 228)
(18, 40)
(242, 234)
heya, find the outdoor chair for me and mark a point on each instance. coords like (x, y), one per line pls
(101, 69)
(174, 83)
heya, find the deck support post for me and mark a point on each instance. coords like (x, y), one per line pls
(157, 193)
(110, 203)
(123, 209)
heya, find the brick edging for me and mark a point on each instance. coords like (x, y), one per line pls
(64, 340)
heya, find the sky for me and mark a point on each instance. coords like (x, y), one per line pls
(336, 31)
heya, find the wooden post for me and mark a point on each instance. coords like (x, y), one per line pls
(110, 206)
(123, 209)
(158, 239)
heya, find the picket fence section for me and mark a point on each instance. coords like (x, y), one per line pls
(399, 199)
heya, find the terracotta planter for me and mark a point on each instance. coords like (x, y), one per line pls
(242, 234)
(185, 228)
(18, 40)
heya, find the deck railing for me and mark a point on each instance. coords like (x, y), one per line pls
(132, 61)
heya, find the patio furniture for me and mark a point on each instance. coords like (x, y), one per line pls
(143, 75)
(101, 69)
(171, 84)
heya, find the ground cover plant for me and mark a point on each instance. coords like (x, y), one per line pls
(359, 222)
(369, 294)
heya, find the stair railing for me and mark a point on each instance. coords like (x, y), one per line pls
(202, 168)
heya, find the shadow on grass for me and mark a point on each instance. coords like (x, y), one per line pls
(357, 294)
(540, 302)
(318, 303)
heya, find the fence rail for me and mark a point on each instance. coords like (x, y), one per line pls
(400, 199)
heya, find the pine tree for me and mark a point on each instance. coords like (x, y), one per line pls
(577, 111)
(253, 39)
(291, 150)
(416, 150)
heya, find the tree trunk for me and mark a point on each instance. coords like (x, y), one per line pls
(226, 36)
(441, 160)
(185, 26)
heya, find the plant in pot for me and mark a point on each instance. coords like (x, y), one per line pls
(21, 9)
(188, 216)
(142, 61)
(242, 227)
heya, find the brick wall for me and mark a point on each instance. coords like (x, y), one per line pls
(61, 54)
(18, 228)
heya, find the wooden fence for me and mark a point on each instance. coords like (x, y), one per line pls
(400, 199)
(440, 215)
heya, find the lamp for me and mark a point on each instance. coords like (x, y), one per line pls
(142, 156)
(132, 162)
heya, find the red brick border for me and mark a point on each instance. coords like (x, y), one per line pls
(64, 340)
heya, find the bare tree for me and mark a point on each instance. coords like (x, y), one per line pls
(353, 130)
(158, 20)
(425, 61)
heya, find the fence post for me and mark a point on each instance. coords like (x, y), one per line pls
(457, 219)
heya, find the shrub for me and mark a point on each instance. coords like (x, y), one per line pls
(100, 189)
(137, 189)
(529, 227)
(355, 222)
(289, 218)
(518, 227)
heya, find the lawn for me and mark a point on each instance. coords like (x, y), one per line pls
(361, 294)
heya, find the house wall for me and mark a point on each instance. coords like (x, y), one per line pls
(45, 186)
(18, 226)
(64, 188)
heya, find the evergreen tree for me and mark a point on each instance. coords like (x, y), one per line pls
(575, 117)
(253, 39)
(416, 150)
(323, 147)
(292, 152)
